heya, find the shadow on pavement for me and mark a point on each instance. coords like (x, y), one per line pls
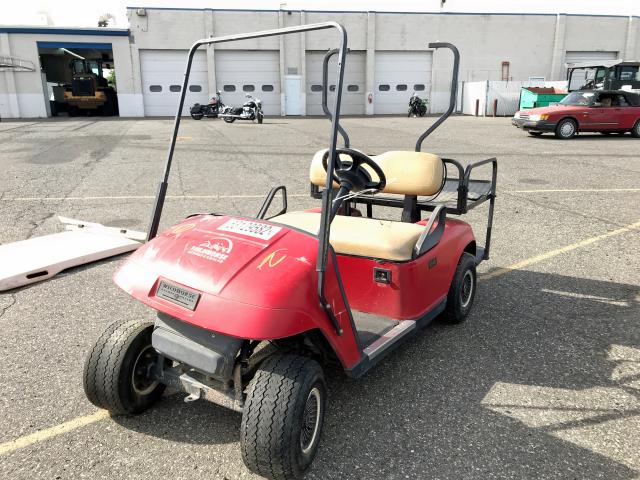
(542, 381)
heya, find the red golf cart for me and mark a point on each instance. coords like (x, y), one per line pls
(249, 310)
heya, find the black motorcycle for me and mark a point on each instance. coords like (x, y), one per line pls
(417, 106)
(250, 110)
(211, 110)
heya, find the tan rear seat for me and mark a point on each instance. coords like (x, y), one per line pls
(361, 236)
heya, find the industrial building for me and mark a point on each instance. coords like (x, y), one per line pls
(388, 58)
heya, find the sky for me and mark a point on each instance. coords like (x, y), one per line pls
(81, 13)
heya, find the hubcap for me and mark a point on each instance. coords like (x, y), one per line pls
(567, 129)
(466, 292)
(140, 379)
(310, 420)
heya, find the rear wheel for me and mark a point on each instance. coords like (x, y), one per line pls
(535, 134)
(566, 129)
(197, 116)
(635, 131)
(117, 373)
(283, 416)
(229, 120)
(260, 117)
(462, 290)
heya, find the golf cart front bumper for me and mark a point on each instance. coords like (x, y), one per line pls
(534, 126)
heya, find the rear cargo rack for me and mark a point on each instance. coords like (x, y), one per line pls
(460, 193)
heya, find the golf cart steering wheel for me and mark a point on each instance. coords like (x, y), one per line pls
(352, 175)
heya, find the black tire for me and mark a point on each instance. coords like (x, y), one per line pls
(197, 116)
(535, 134)
(566, 129)
(462, 290)
(635, 131)
(260, 117)
(115, 372)
(229, 120)
(282, 417)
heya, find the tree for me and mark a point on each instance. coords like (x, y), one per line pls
(105, 19)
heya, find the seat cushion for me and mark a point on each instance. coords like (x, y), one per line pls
(408, 173)
(365, 237)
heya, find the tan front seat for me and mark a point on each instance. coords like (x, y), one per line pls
(407, 173)
(365, 237)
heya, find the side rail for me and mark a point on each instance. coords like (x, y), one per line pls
(325, 93)
(490, 195)
(267, 203)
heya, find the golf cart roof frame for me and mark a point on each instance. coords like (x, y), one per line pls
(325, 223)
(467, 192)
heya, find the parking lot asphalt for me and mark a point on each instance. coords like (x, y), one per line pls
(542, 381)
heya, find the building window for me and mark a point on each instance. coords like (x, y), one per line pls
(401, 87)
(316, 88)
(352, 88)
(155, 88)
(332, 88)
(248, 88)
(384, 88)
(229, 88)
(418, 87)
(175, 88)
(195, 88)
(267, 88)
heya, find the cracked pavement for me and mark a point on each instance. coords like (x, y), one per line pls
(540, 382)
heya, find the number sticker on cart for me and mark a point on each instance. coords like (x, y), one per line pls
(263, 231)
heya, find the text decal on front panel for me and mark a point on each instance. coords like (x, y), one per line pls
(263, 231)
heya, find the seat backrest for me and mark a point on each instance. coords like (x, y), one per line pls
(408, 173)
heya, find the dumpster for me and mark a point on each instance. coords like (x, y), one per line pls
(532, 97)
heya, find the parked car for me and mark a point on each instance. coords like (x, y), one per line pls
(604, 111)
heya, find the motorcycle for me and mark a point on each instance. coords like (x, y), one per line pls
(211, 110)
(417, 106)
(250, 110)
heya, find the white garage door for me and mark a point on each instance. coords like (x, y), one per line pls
(579, 76)
(397, 76)
(241, 72)
(353, 90)
(162, 76)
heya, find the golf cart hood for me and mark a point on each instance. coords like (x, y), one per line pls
(225, 271)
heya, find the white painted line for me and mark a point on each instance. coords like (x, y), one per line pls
(577, 190)
(221, 197)
(139, 197)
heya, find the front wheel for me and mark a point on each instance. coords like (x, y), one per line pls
(229, 120)
(260, 117)
(635, 131)
(283, 416)
(462, 290)
(117, 373)
(566, 129)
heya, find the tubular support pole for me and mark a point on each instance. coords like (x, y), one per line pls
(325, 89)
(160, 197)
(454, 91)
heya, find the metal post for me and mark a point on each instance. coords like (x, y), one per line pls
(162, 188)
(454, 90)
